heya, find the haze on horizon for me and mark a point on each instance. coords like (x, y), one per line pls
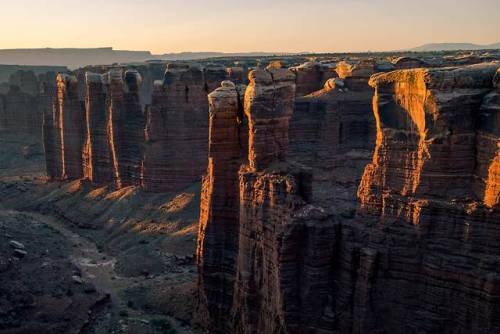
(163, 26)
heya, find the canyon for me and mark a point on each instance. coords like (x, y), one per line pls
(291, 194)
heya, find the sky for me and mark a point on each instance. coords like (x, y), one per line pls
(164, 26)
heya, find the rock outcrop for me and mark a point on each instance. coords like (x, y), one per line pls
(310, 77)
(19, 112)
(238, 75)
(177, 130)
(71, 115)
(213, 76)
(488, 150)
(51, 130)
(429, 235)
(402, 63)
(27, 82)
(125, 127)
(416, 252)
(268, 106)
(220, 201)
(98, 164)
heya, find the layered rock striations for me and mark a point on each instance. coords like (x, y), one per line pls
(70, 114)
(51, 133)
(125, 126)
(431, 235)
(268, 106)
(332, 132)
(418, 250)
(311, 76)
(237, 74)
(263, 291)
(487, 182)
(402, 63)
(19, 112)
(98, 164)
(177, 130)
(220, 201)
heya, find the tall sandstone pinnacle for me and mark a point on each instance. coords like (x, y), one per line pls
(277, 286)
(51, 132)
(268, 105)
(98, 165)
(125, 126)
(416, 253)
(488, 148)
(71, 124)
(219, 216)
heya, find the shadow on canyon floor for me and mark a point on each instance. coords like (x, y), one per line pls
(97, 260)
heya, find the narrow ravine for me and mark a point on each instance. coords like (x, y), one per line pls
(98, 269)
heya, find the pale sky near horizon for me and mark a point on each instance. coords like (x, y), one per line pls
(163, 26)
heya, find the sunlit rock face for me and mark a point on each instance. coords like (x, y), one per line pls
(177, 130)
(329, 242)
(428, 212)
(70, 114)
(219, 209)
(98, 165)
(310, 77)
(125, 126)
(356, 73)
(488, 148)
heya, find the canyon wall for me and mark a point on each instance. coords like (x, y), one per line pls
(19, 104)
(125, 126)
(428, 186)
(98, 162)
(311, 76)
(219, 216)
(177, 127)
(352, 220)
(99, 127)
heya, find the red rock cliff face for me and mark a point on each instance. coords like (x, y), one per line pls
(125, 127)
(285, 242)
(220, 201)
(310, 77)
(488, 149)
(51, 131)
(70, 114)
(428, 234)
(177, 130)
(98, 167)
(418, 252)
(332, 132)
(269, 106)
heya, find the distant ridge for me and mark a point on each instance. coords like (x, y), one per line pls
(75, 57)
(454, 47)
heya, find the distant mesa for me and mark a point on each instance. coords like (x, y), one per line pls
(454, 47)
(76, 57)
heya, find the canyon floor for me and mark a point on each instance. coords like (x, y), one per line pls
(77, 259)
